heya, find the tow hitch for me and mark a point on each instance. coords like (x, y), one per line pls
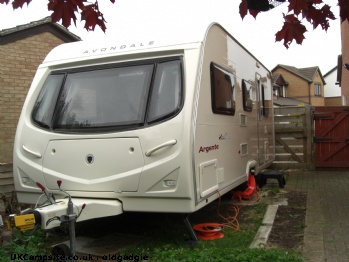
(30, 219)
(53, 213)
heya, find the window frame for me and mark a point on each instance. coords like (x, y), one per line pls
(317, 89)
(152, 90)
(45, 121)
(227, 73)
(245, 98)
(116, 128)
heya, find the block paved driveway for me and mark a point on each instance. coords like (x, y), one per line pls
(326, 236)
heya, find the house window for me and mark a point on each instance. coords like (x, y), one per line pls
(317, 88)
(275, 91)
(278, 91)
(222, 90)
(283, 91)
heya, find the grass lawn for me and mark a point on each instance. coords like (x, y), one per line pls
(163, 237)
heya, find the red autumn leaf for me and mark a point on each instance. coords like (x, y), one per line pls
(64, 10)
(344, 9)
(297, 6)
(319, 16)
(254, 13)
(79, 3)
(93, 17)
(243, 10)
(291, 30)
(315, 1)
(20, 3)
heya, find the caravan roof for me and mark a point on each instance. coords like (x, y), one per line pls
(179, 34)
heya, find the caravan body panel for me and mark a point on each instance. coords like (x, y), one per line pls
(160, 126)
(231, 135)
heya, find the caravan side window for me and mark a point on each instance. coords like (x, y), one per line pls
(247, 96)
(222, 90)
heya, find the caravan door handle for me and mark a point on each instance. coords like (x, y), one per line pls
(168, 143)
(38, 155)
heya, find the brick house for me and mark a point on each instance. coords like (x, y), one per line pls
(280, 98)
(22, 49)
(303, 84)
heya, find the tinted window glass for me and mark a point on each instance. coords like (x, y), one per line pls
(110, 98)
(247, 96)
(222, 90)
(45, 104)
(166, 94)
(264, 108)
(104, 98)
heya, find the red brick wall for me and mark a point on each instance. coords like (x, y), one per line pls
(333, 101)
(317, 100)
(345, 59)
(18, 63)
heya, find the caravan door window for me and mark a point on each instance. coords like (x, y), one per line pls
(247, 96)
(264, 108)
(222, 90)
(118, 97)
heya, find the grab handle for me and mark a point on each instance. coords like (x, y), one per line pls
(168, 143)
(38, 155)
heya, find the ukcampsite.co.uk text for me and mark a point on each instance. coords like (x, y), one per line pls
(113, 257)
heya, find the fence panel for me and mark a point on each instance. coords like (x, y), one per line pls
(293, 138)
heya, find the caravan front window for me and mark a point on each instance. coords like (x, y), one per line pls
(111, 98)
(45, 104)
(166, 95)
(104, 98)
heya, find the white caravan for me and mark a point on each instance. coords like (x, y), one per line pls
(155, 125)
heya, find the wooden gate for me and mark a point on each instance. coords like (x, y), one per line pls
(293, 138)
(331, 136)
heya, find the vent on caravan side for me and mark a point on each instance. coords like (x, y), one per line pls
(243, 149)
(243, 120)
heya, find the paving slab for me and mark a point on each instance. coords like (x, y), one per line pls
(262, 235)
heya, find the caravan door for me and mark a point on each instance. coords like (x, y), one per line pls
(262, 120)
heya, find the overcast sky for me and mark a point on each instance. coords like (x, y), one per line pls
(258, 36)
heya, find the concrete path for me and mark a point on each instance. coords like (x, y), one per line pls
(326, 236)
